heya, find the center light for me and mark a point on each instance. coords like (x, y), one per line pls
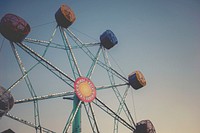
(85, 89)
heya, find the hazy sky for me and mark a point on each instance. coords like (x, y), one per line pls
(159, 37)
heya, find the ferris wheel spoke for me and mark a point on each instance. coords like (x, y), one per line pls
(26, 73)
(120, 98)
(14, 84)
(109, 111)
(71, 57)
(76, 39)
(114, 72)
(50, 40)
(44, 43)
(71, 117)
(91, 44)
(23, 70)
(30, 124)
(110, 86)
(110, 70)
(80, 45)
(120, 109)
(56, 45)
(79, 42)
(91, 56)
(91, 116)
(29, 85)
(92, 67)
(50, 96)
(47, 64)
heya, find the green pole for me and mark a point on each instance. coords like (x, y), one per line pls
(76, 126)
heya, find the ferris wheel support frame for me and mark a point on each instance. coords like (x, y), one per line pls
(41, 129)
(15, 29)
(68, 79)
(60, 74)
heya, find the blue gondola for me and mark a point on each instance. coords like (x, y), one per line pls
(108, 39)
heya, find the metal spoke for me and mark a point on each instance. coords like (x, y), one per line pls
(50, 96)
(29, 86)
(56, 45)
(91, 56)
(110, 86)
(14, 84)
(91, 117)
(47, 64)
(117, 93)
(70, 54)
(120, 109)
(30, 124)
(109, 111)
(89, 74)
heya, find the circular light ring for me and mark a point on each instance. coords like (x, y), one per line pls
(85, 89)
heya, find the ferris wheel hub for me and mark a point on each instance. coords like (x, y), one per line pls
(85, 89)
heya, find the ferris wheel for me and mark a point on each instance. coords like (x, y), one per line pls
(83, 85)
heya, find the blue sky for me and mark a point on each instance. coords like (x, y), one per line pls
(160, 38)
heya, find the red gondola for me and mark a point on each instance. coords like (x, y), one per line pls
(14, 28)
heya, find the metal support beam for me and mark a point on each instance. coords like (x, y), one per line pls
(92, 67)
(50, 96)
(109, 111)
(117, 94)
(29, 86)
(56, 45)
(91, 116)
(64, 77)
(29, 123)
(70, 54)
(92, 57)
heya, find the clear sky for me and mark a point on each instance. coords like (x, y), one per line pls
(159, 37)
